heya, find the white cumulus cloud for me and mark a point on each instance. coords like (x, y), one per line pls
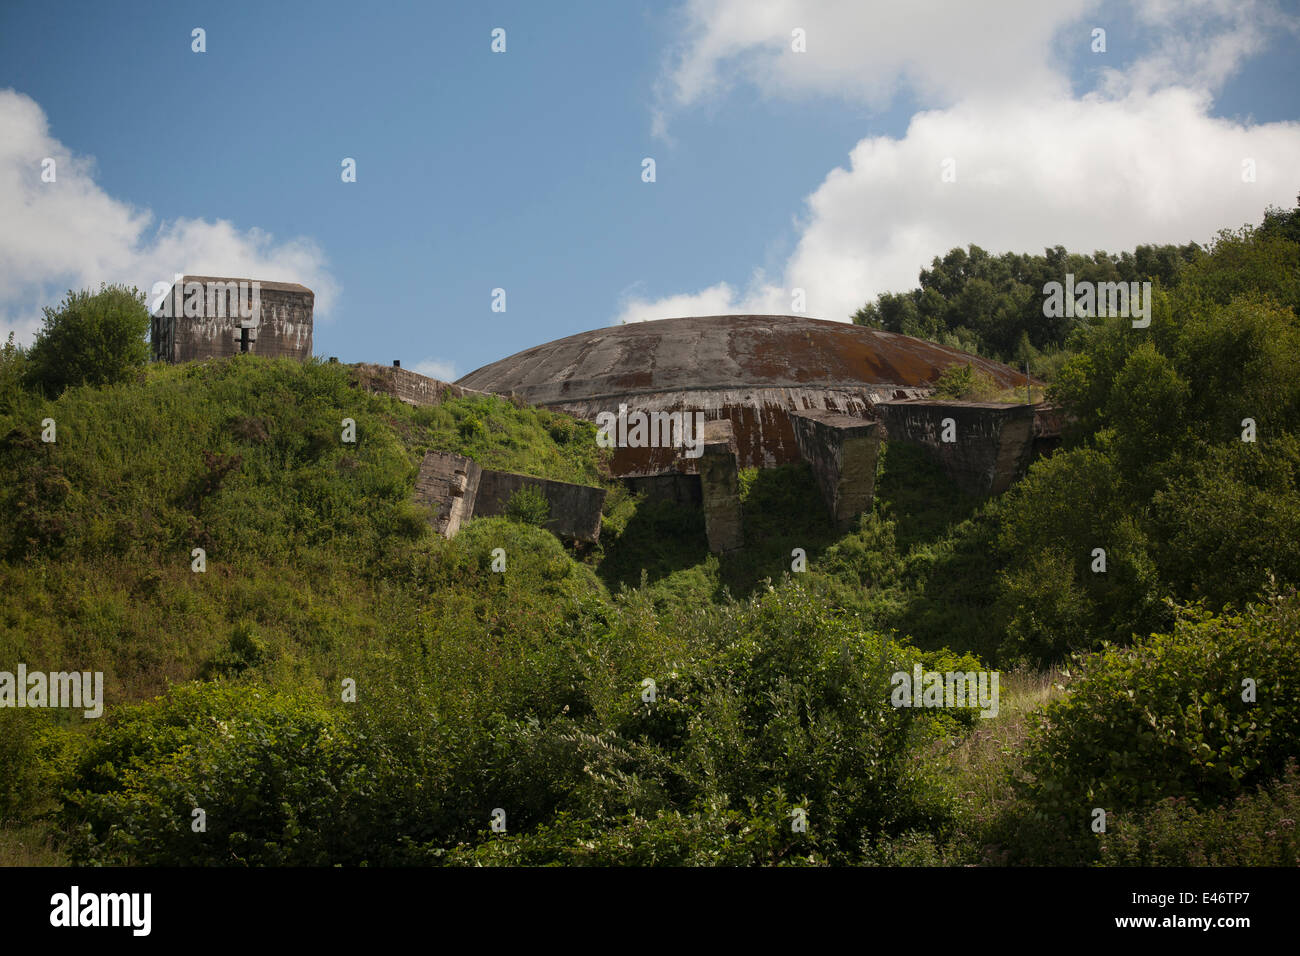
(761, 298)
(1143, 160)
(71, 234)
(866, 50)
(1086, 174)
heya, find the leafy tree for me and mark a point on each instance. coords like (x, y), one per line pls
(91, 339)
(1145, 410)
(993, 305)
(1178, 494)
(13, 369)
(1248, 260)
(1052, 596)
(1282, 222)
(1232, 519)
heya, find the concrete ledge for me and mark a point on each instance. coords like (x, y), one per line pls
(575, 509)
(992, 443)
(405, 385)
(842, 451)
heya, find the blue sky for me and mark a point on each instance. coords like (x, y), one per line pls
(522, 170)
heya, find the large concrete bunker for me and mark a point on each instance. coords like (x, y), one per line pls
(790, 388)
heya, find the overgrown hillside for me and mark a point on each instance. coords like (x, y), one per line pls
(340, 685)
(245, 460)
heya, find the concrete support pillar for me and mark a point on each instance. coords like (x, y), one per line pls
(449, 483)
(720, 488)
(842, 451)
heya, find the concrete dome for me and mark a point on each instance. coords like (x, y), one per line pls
(751, 369)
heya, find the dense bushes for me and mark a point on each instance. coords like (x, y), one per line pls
(1231, 520)
(1201, 712)
(771, 706)
(270, 772)
(37, 750)
(712, 836)
(1080, 568)
(757, 708)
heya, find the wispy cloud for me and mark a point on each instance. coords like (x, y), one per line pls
(436, 368)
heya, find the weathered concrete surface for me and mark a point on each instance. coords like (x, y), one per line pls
(679, 488)
(449, 483)
(752, 370)
(575, 509)
(842, 451)
(459, 489)
(720, 488)
(993, 442)
(280, 328)
(405, 385)
(760, 418)
(1049, 422)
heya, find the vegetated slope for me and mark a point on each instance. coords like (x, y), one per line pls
(244, 459)
(644, 701)
(519, 688)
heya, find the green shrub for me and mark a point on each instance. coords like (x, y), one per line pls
(1047, 611)
(529, 506)
(757, 836)
(246, 649)
(914, 848)
(1232, 519)
(37, 750)
(13, 371)
(966, 383)
(1051, 597)
(1167, 718)
(272, 773)
(472, 428)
